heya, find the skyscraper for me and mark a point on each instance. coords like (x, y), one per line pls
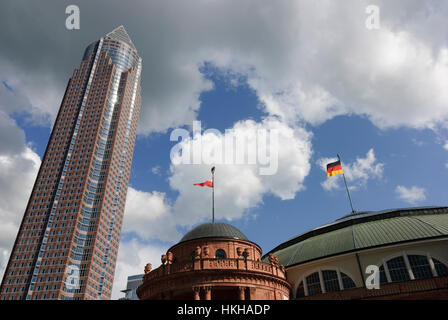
(67, 244)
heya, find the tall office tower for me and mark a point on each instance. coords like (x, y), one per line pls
(67, 244)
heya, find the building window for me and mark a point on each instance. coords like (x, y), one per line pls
(313, 284)
(347, 282)
(300, 291)
(220, 254)
(331, 281)
(441, 269)
(383, 278)
(420, 266)
(397, 269)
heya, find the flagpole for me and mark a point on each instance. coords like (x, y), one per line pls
(213, 195)
(346, 187)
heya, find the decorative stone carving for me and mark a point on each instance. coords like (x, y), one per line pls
(206, 251)
(282, 268)
(273, 260)
(242, 292)
(169, 257)
(246, 253)
(239, 251)
(197, 252)
(148, 268)
(163, 259)
(207, 292)
(197, 291)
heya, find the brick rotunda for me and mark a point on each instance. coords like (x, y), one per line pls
(215, 261)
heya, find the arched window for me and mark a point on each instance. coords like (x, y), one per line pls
(331, 281)
(313, 284)
(347, 282)
(220, 254)
(420, 266)
(383, 278)
(300, 291)
(441, 269)
(397, 269)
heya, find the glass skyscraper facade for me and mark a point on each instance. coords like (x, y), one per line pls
(67, 244)
(131, 288)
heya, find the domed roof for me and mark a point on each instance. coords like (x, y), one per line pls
(364, 230)
(214, 230)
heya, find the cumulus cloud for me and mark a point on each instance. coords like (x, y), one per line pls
(239, 187)
(357, 172)
(306, 61)
(132, 258)
(18, 169)
(144, 210)
(411, 195)
(36, 100)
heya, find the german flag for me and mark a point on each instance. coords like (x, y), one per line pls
(334, 168)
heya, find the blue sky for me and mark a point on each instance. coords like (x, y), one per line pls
(312, 71)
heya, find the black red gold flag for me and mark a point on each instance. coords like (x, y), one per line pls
(334, 168)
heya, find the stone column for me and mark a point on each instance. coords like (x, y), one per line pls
(242, 291)
(208, 293)
(196, 291)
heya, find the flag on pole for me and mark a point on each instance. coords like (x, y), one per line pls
(334, 168)
(207, 183)
(210, 184)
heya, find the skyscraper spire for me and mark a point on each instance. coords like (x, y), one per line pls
(120, 33)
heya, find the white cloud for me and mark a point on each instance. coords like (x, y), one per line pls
(144, 210)
(411, 195)
(132, 258)
(445, 146)
(37, 100)
(357, 173)
(156, 170)
(306, 61)
(239, 187)
(18, 169)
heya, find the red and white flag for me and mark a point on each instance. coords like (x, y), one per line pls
(207, 183)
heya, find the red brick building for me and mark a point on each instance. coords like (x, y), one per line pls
(215, 261)
(409, 247)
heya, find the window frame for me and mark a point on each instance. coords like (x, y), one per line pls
(220, 251)
(303, 279)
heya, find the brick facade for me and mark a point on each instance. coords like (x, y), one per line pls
(190, 270)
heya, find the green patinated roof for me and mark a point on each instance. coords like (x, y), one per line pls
(214, 230)
(362, 231)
